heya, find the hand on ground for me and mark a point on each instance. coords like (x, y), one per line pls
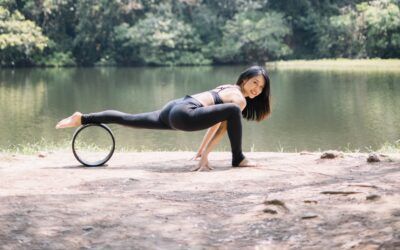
(203, 165)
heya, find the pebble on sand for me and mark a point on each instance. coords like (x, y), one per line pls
(373, 197)
(42, 155)
(331, 154)
(373, 158)
(270, 211)
(309, 215)
(87, 228)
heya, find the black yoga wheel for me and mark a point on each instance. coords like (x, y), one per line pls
(93, 144)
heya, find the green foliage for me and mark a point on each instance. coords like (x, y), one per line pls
(254, 36)
(382, 28)
(56, 18)
(306, 19)
(194, 32)
(20, 39)
(371, 29)
(344, 37)
(161, 39)
(94, 29)
(56, 59)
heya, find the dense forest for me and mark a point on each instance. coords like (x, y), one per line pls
(194, 32)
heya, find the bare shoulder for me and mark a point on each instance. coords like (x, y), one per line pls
(231, 94)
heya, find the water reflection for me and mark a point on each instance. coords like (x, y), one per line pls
(311, 110)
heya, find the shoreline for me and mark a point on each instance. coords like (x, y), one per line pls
(65, 146)
(153, 200)
(390, 64)
(338, 64)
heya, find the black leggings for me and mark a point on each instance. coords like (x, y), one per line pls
(185, 114)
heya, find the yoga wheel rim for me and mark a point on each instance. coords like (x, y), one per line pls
(99, 162)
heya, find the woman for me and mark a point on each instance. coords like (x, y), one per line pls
(219, 110)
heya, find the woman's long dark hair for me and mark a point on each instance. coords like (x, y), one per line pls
(259, 107)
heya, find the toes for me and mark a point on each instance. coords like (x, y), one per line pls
(60, 124)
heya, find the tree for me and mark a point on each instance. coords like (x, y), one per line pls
(370, 29)
(161, 39)
(20, 39)
(382, 28)
(254, 36)
(344, 36)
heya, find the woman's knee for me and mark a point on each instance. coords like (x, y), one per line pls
(235, 109)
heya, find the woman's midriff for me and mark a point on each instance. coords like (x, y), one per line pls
(204, 98)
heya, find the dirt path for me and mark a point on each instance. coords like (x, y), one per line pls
(152, 201)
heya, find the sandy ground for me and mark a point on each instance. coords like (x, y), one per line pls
(152, 201)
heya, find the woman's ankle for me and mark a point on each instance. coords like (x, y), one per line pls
(236, 160)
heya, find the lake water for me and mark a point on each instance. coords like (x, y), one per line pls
(312, 110)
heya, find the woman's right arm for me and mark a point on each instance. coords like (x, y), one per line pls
(203, 164)
(207, 138)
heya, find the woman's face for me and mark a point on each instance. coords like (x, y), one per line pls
(253, 86)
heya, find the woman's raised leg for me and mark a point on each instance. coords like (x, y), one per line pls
(149, 120)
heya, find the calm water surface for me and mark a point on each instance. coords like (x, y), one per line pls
(312, 110)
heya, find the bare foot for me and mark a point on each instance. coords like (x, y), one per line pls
(72, 121)
(247, 163)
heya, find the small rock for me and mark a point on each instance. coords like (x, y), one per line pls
(340, 192)
(305, 153)
(66, 231)
(331, 154)
(276, 203)
(269, 211)
(42, 155)
(373, 197)
(309, 216)
(310, 201)
(396, 213)
(129, 180)
(373, 158)
(87, 228)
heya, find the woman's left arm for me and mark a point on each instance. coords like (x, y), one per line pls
(207, 137)
(215, 139)
(203, 164)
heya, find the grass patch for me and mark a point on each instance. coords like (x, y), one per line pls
(47, 146)
(390, 148)
(34, 148)
(338, 64)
